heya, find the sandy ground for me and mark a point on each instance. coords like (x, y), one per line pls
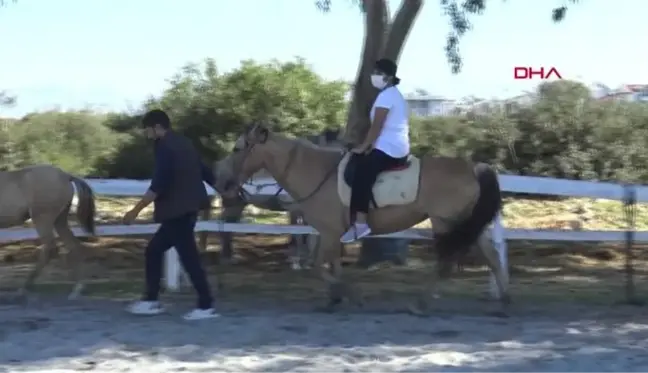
(565, 317)
(55, 336)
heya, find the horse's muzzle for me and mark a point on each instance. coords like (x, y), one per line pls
(228, 189)
(229, 186)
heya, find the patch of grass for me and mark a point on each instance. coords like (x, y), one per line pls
(586, 213)
(540, 272)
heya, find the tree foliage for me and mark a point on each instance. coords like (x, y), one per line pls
(459, 15)
(561, 132)
(213, 108)
(385, 37)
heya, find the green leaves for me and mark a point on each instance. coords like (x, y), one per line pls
(459, 13)
(213, 108)
(71, 140)
(563, 133)
(560, 131)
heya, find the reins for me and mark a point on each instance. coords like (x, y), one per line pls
(244, 195)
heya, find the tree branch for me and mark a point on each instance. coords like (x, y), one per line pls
(6, 100)
(401, 27)
(376, 24)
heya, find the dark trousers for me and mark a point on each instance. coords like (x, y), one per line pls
(179, 233)
(368, 167)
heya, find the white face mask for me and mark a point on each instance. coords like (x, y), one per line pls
(378, 81)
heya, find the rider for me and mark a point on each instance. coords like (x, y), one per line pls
(387, 145)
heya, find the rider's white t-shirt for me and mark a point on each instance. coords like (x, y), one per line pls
(394, 138)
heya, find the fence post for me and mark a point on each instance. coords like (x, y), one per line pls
(630, 210)
(205, 215)
(499, 241)
(172, 270)
(174, 275)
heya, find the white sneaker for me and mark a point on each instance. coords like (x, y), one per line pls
(355, 232)
(200, 314)
(147, 308)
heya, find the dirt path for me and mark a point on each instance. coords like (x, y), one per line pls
(96, 335)
(564, 318)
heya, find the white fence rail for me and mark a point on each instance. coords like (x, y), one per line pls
(509, 183)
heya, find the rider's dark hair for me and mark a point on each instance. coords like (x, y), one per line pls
(156, 116)
(389, 68)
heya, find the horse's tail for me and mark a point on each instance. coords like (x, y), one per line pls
(456, 243)
(86, 208)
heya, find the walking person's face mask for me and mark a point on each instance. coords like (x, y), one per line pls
(154, 132)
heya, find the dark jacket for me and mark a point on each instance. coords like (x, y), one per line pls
(178, 178)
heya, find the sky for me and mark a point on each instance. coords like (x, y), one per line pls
(113, 54)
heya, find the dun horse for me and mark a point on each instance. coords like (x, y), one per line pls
(44, 193)
(301, 247)
(459, 197)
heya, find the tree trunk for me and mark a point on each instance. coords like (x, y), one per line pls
(383, 38)
(376, 26)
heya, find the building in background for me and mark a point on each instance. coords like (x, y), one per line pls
(627, 92)
(423, 104)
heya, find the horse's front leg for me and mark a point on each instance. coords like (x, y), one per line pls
(232, 212)
(329, 252)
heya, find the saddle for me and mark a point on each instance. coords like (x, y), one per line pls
(398, 185)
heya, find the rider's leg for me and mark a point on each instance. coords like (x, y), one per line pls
(368, 168)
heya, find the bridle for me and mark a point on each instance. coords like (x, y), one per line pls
(244, 195)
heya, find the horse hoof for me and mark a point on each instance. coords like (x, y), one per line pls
(328, 308)
(335, 301)
(418, 309)
(415, 311)
(20, 297)
(76, 292)
(502, 314)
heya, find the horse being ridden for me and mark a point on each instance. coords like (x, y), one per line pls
(459, 197)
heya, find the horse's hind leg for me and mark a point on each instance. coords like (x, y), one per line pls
(493, 262)
(45, 228)
(428, 294)
(75, 256)
(430, 289)
(297, 243)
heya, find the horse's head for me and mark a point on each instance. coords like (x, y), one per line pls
(247, 157)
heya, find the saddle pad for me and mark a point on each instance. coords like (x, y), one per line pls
(392, 187)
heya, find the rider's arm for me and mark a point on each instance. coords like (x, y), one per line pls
(383, 104)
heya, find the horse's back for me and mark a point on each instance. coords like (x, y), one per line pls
(37, 177)
(35, 185)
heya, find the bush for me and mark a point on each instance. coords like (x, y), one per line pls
(562, 132)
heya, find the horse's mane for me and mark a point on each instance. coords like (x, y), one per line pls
(306, 143)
